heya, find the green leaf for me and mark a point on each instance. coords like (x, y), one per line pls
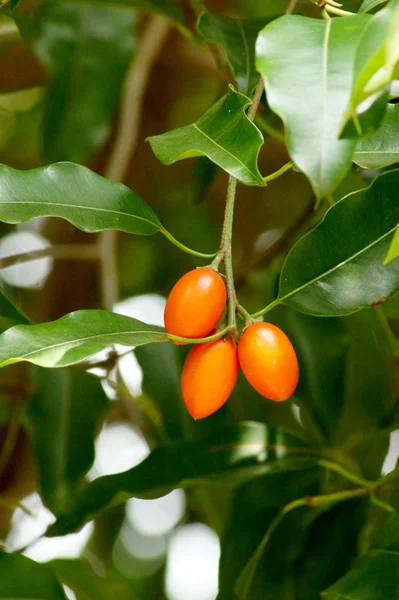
(10, 314)
(74, 338)
(370, 4)
(224, 134)
(393, 251)
(255, 505)
(381, 149)
(336, 268)
(376, 59)
(230, 455)
(237, 37)
(63, 416)
(87, 50)
(24, 579)
(375, 575)
(72, 192)
(308, 68)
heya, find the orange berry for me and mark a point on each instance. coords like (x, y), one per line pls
(196, 303)
(209, 376)
(268, 361)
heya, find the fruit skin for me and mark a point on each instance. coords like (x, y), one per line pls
(268, 361)
(209, 376)
(196, 303)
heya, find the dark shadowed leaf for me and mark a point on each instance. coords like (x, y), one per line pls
(76, 194)
(63, 416)
(87, 50)
(237, 38)
(24, 579)
(10, 314)
(337, 268)
(224, 134)
(308, 66)
(381, 149)
(375, 575)
(230, 456)
(74, 338)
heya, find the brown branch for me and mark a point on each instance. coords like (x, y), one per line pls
(126, 138)
(60, 251)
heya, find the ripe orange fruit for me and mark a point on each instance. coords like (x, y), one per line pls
(268, 361)
(196, 303)
(209, 376)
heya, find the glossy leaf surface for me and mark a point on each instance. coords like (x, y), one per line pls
(381, 149)
(24, 579)
(63, 416)
(74, 338)
(308, 67)
(234, 453)
(237, 37)
(76, 194)
(224, 134)
(337, 268)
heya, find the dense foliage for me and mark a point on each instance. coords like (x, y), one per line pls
(127, 127)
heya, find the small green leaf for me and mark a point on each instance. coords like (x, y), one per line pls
(74, 338)
(10, 314)
(380, 149)
(224, 134)
(63, 415)
(376, 59)
(22, 578)
(393, 251)
(337, 268)
(87, 61)
(76, 194)
(369, 5)
(308, 67)
(237, 37)
(230, 455)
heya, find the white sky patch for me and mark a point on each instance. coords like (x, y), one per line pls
(193, 563)
(159, 516)
(27, 275)
(393, 453)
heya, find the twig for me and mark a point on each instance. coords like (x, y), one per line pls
(256, 99)
(60, 251)
(126, 139)
(291, 7)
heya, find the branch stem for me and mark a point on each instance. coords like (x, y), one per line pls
(60, 251)
(278, 173)
(178, 244)
(334, 10)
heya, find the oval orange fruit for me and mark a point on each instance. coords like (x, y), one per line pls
(209, 375)
(196, 303)
(268, 361)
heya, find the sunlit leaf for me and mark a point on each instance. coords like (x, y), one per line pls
(370, 4)
(74, 338)
(308, 67)
(224, 134)
(76, 194)
(337, 268)
(393, 251)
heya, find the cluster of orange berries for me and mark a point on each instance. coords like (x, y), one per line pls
(264, 353)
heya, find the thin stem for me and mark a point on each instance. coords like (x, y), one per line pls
(126, 138)
(178, 244)
(346, 474)
(228, 258)
(264, 125)
(380, 503)
(291, 7)
(267, 308)
(210, 338)
(61, 251)
(256, 99)
(338, 11)
(280, 172)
